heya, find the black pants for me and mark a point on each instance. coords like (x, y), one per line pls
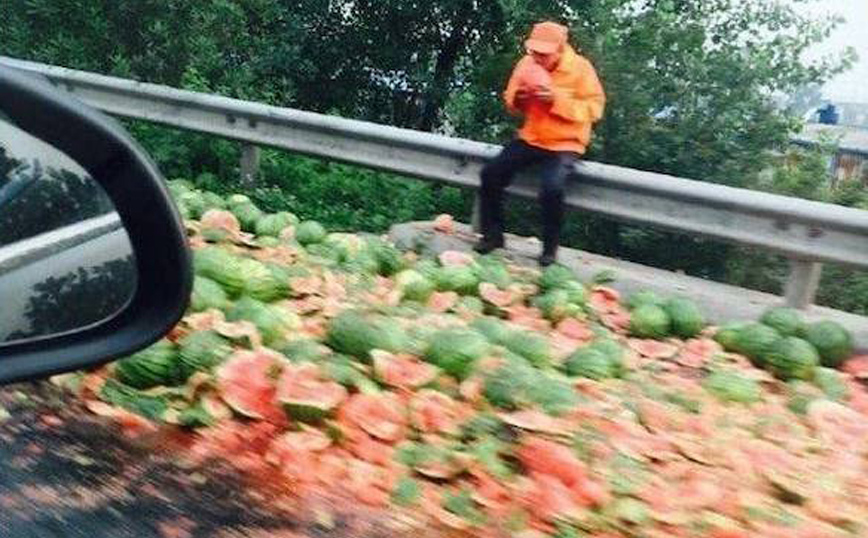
(555, 167)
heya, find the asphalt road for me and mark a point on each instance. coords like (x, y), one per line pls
(65, 473)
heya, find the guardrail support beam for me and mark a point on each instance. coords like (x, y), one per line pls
(475, 219)
(249, 164)
(802, 284)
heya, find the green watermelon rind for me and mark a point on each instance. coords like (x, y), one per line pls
(832, 341)
(793, 358)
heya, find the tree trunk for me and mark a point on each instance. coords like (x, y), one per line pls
(445, 68)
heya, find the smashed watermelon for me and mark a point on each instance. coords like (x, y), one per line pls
(306, 395)
(248, 383)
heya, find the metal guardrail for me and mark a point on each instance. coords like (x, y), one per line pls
(805, 232)
(26, 251)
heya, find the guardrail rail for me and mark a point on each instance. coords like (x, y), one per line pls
(807, 233)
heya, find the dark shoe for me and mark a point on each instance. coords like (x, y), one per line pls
(487, 245)
(547, 259)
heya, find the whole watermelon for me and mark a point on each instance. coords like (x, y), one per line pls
(275, 323)
(727, 336)
(207, 294)
(177, 187)
(492, 270)
(263, 282)
(248, 215)
(220, 266)
(792, 358)
(470, 304)
(531, 345)
(357, 333)
(506, 387)
(615, 351)
(649, 321)
(413, 285)
(461, 279)
(271, 225)
(642, 297)
(554, 395)
(577, 294)
(832, 341)
(832, 383)
(201, 351)
(787, 321)
(589, 362)
(305, 350)
(455, 351)
(555, 276)
(555, 304)
(266, 241)
(495, 330)
(755, 341)
(310, 232)
(195, 203)
(732, 387)
(389, 259)
(237, 200)
(152, 366)
(686, 319)
(213, 201)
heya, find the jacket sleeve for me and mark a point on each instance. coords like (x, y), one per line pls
(585, 102)
(512, 87)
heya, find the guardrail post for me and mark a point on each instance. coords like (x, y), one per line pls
(249, 164)
(475, 219)
(801, 286)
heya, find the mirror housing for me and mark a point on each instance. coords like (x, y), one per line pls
(155, 229)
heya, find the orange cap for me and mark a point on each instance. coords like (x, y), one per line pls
(546, 37)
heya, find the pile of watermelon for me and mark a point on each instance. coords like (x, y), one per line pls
(492, 398)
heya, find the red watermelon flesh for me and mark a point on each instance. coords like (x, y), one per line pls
(618, 321)
(380, 415)
(549, 458)
(605, 300)
(652, 349)
(305, 394)
(532, 76)
(838, 423)
(246, 381)
(221, 219)
(403, 371)
(549, 499)
(857, 367)
(455, 258)
(575, 329)
(434, 412)
(697, 351)
(496, 296)
(442, 301)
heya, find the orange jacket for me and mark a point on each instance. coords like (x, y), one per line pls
(565, 124)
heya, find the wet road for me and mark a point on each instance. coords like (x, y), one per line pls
(66, 473)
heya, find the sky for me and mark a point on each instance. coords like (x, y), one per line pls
(852, 85)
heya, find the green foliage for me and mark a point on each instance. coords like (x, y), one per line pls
(689, 88)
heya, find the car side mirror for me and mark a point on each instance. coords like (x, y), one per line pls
(94, 262)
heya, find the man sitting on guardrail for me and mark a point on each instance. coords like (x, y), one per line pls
(560, 96)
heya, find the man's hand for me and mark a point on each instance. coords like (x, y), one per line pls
(544, 95)
(522, 95)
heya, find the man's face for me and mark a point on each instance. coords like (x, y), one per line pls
(548, 61)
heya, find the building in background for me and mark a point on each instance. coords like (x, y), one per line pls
(846, 125)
